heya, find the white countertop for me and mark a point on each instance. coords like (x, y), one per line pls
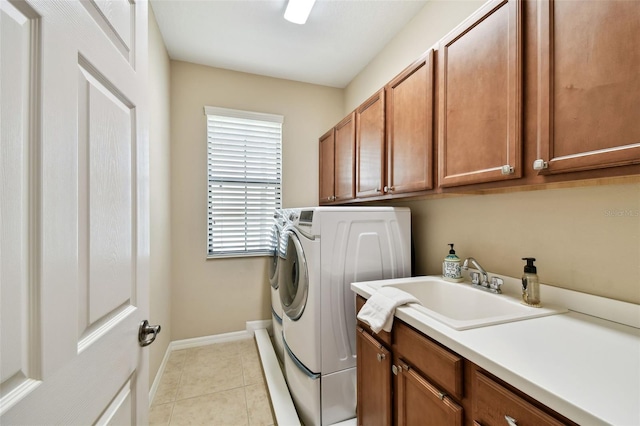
(583, 367)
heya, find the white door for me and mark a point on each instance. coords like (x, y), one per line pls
(74, 212)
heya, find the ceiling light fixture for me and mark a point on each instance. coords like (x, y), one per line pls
(298, 11)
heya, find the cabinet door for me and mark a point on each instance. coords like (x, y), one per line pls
(443, 367)
(345, 145)
(370, 146)
(421, 403)
(374, 381)
(589, 84)
(327, 142)
(409, 100)
(480, 99)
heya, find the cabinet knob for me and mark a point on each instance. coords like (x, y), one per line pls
(507, 170)
(540, 164)
(385, 189)
(511, 421)
(381, 357)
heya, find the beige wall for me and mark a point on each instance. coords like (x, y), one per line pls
(434, 20)
(160, 185)
(220, 295)
(586, 239)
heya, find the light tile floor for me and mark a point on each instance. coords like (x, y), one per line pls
(219, 384)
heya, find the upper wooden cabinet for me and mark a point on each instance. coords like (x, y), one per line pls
(480, 97)
(518, 97)
(409, 99)
(337, 149)
(370, 146)
(327, 145)
(589, 85)
(345, 145)
(401, 113)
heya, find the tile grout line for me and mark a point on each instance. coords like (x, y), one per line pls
(246, 406)
(244, 387)
(175, 397)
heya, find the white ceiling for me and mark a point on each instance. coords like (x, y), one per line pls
(339, 39)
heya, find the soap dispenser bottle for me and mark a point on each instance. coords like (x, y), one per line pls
(451, 268)
(530, 284)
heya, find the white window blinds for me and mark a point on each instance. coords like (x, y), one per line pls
(244, 152)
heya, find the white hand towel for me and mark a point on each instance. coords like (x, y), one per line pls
(379, 310)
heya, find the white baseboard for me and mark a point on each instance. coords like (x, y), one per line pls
(176, 345)
(283, 408)
(156, 380)
(252, 326)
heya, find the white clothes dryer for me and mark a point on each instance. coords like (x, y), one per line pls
(327, 249)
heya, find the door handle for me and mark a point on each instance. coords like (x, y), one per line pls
(147, 333)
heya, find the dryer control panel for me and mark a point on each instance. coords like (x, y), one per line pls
(306, 216)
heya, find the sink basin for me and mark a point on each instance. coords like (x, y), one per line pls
(462, 307)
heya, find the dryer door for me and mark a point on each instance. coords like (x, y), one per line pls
(294, 277)
(274, 263)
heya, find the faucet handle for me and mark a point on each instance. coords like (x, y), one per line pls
(475, 278)
(496, 283)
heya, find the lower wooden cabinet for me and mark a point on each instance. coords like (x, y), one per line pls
(496, 405)
(407, 378)
(443, 367)
(374, 381)
(420, 402)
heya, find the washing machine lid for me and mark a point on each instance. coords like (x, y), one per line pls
(294, 277)
(275, 257)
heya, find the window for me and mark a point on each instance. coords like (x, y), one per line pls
(244, 164)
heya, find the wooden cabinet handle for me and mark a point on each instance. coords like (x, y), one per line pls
(540, 164)
(507, 170)
(511, 421)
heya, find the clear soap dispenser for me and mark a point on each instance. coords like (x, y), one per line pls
(451, 268)
(530, 284)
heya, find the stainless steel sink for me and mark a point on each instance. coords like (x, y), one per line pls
(462, 307)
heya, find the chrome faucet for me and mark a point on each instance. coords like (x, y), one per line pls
(492, 287)
(485, 276)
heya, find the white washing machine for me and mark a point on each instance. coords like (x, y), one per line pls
(277, 234)
(327, 249)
